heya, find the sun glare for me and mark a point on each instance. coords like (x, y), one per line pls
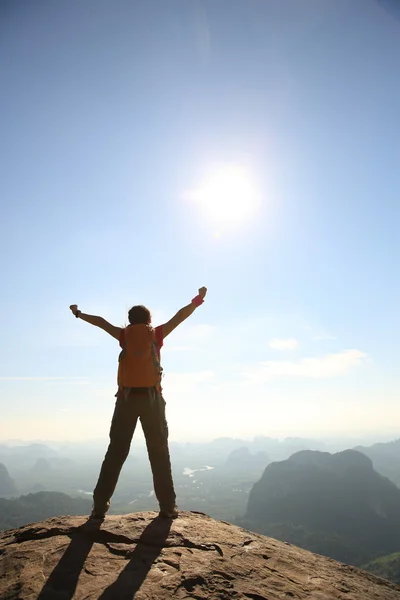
(227, 196)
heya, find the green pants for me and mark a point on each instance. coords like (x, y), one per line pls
(148, 405)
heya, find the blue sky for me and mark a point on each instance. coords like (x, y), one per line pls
(112, 115)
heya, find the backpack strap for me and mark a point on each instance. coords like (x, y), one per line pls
(156, 359)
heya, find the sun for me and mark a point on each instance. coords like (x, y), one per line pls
(227, 196)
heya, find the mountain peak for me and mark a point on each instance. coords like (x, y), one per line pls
(194, 556)
(7, 485)
(339, 460)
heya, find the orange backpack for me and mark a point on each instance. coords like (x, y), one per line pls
(139, 364)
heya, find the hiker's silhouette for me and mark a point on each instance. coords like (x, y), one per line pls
(64, 577)
(147, 550)
(139, 396)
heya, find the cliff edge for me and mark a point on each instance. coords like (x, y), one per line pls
(147, 558)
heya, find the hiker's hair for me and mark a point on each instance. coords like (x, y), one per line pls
(139, 315)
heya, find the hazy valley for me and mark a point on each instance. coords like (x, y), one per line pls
(340, 503)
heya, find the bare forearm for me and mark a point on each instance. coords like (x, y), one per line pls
(177, 319)
(185, 312)
(115, 332)
(92, 319)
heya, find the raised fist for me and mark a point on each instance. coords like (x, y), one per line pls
(74, 308)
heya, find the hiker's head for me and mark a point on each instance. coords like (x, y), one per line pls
(139, 315)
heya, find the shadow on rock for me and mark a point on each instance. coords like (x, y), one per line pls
(64, 578)
(148, 548)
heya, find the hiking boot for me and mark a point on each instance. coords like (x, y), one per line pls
(171, 513)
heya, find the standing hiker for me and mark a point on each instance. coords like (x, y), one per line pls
(139, 395)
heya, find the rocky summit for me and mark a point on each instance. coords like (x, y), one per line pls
(147, 558)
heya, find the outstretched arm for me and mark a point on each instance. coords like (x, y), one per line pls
(184, 313)
(115, 332)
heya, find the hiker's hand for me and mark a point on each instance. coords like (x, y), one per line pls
(74, 308)
(202, 292)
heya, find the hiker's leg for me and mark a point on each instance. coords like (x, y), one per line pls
(155, 429)
(122, 428)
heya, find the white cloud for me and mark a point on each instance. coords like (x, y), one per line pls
(280, 344)
(330, 365)
(69, 382)
(61, 379)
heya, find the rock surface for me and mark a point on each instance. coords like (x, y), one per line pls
(147, 558)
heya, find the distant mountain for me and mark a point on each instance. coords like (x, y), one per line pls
(387, 567)
(385, 458)
(34, 450)
(41, 466)
(282, 449)
(331, 504)
(36, 507)
(7, 485)
(21, 457)
(275, 449)
(242, 459)
(217, 452)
